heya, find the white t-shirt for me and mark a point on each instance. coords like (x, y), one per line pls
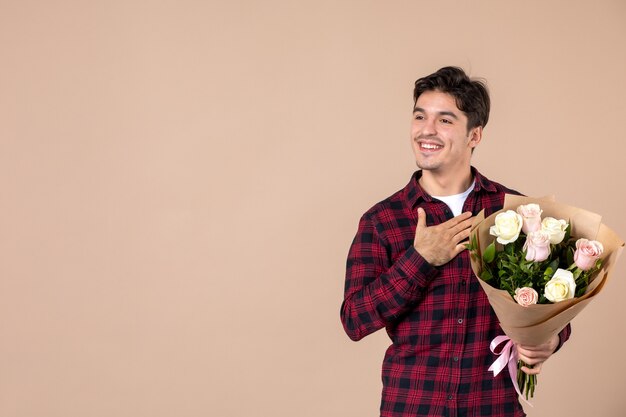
(456, 201)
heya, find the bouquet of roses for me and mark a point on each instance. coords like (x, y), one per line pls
(540, 263)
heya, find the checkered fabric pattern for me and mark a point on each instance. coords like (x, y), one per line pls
(438, 318)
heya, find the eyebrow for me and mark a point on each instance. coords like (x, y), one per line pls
(441, 113)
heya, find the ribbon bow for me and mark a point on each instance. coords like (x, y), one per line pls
(507, 357)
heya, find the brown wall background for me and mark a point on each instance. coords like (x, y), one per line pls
(181, 180)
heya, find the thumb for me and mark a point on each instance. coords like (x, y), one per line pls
(421, 217)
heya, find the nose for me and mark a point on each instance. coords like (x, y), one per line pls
(428, 128)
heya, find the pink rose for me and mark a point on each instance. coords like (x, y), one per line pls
(587, 252)
(537, 246)
(526, 296)
(531, 213)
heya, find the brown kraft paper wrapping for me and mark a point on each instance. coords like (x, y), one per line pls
(537, 323)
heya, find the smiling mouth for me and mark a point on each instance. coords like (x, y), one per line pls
(429, 147)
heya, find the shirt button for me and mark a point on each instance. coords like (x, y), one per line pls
(456, 359)
(460, 321)
(450, 396)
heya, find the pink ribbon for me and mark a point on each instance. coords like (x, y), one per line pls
(507, 357)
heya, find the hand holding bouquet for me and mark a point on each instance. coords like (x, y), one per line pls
(540, 264)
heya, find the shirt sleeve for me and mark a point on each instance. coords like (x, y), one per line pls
(377, 290)
(564, 336)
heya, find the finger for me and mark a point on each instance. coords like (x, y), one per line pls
(523, 356)
(464, 225)
(460, 248)
(462, 235)
(460, 222)
(535, 370)
(463, 244)
(532, 358)
(421, 218)
(534, 352)
(534, 348)
(458, 219)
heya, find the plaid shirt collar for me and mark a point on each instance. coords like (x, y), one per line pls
(415, 192)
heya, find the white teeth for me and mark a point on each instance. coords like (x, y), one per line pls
(429, 146)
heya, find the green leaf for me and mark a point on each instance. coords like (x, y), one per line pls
(553, 266)
(485, 275)
(490, 253)
(471, 245)
(525, 267)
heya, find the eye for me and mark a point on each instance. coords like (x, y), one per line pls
(419, 117)
(446, 121)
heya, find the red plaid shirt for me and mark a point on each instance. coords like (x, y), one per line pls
(438, 318)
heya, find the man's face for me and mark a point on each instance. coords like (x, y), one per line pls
(439, 136)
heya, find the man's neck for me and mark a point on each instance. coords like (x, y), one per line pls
(442, 185)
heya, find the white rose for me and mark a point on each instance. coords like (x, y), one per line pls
(556, 229)
(507, 227)
(561, 287)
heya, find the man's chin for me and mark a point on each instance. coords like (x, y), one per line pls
(426, 167)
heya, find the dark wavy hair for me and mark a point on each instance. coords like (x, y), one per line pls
(471, 95)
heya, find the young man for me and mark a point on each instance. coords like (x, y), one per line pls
(408, 270)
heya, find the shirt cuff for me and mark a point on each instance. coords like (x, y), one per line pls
(415, 268)
(563, 336)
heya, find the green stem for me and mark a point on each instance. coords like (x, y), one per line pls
(527, 383)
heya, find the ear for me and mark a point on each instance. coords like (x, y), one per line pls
(475, 136)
